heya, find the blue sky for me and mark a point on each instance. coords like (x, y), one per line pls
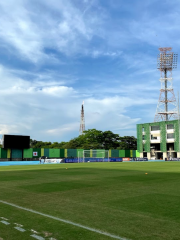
(56, 54)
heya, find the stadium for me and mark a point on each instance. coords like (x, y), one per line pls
(58, 180)
(61, 193)
(57, 193)
(90, 194)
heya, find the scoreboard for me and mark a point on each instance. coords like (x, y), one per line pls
(16, 141)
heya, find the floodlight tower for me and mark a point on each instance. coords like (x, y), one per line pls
(82, 122)
(167, 105)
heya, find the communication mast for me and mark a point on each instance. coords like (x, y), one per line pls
(167, 105)
(82, 122)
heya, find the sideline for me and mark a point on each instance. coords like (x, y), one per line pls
(66, 221)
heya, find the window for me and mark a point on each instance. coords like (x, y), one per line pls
(153, 137)
(170, 135)
(143, 137)
(155, 128)
(170, 126)
(142, 129)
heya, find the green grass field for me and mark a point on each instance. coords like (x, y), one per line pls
(117, 198)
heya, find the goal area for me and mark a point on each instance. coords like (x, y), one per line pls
(93, 156)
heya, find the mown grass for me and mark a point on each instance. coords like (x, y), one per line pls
(118, 198)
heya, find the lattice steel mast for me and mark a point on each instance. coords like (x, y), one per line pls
(82, 122)
(167, 105)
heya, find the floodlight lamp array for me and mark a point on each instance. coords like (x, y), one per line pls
(165, 49)
(167, 61)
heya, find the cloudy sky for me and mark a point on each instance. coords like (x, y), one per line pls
(56, 54)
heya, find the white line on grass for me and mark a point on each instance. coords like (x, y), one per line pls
(20, 229)
(66, 221)
(19, 225)
(37, 237)
(33, 231)
(5, 222)
(4, 218)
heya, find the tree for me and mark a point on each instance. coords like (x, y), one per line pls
(110, 140)
(95, 139)
(33, 143)
(92, 139)
(128, 142)
(41, 144)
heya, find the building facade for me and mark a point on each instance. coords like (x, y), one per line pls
(158, 140)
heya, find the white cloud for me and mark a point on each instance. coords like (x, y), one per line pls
(64, 129)
(11, 84)
(64, 27)
(98, 53)
(8, 129)
(59, 91)
(70, 27)
(53, 112)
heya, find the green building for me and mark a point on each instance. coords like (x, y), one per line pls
(158, 140)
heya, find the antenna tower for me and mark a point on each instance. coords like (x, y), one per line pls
(82, 122)
(167, 105)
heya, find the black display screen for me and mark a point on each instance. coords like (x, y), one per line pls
(16, 141)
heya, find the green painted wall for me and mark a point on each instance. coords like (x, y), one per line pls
(127, 153)
(121, 153)
(163, 147)
(80, 153)
(8, 153)
(134, 153)
(38, 150)
(62, 153)
(137, 153)
(53, 152)
(114, 153)
(65, 152)
(139, 138)
(42, 152)
(100, 153)
(91, 153)
(17, 153)
(3, 153)
(176, 129)
(147, 138)
(46, 152)
(28, 153)
(131, 153)
(71, 152)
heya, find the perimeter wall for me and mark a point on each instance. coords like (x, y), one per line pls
(61, 153)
